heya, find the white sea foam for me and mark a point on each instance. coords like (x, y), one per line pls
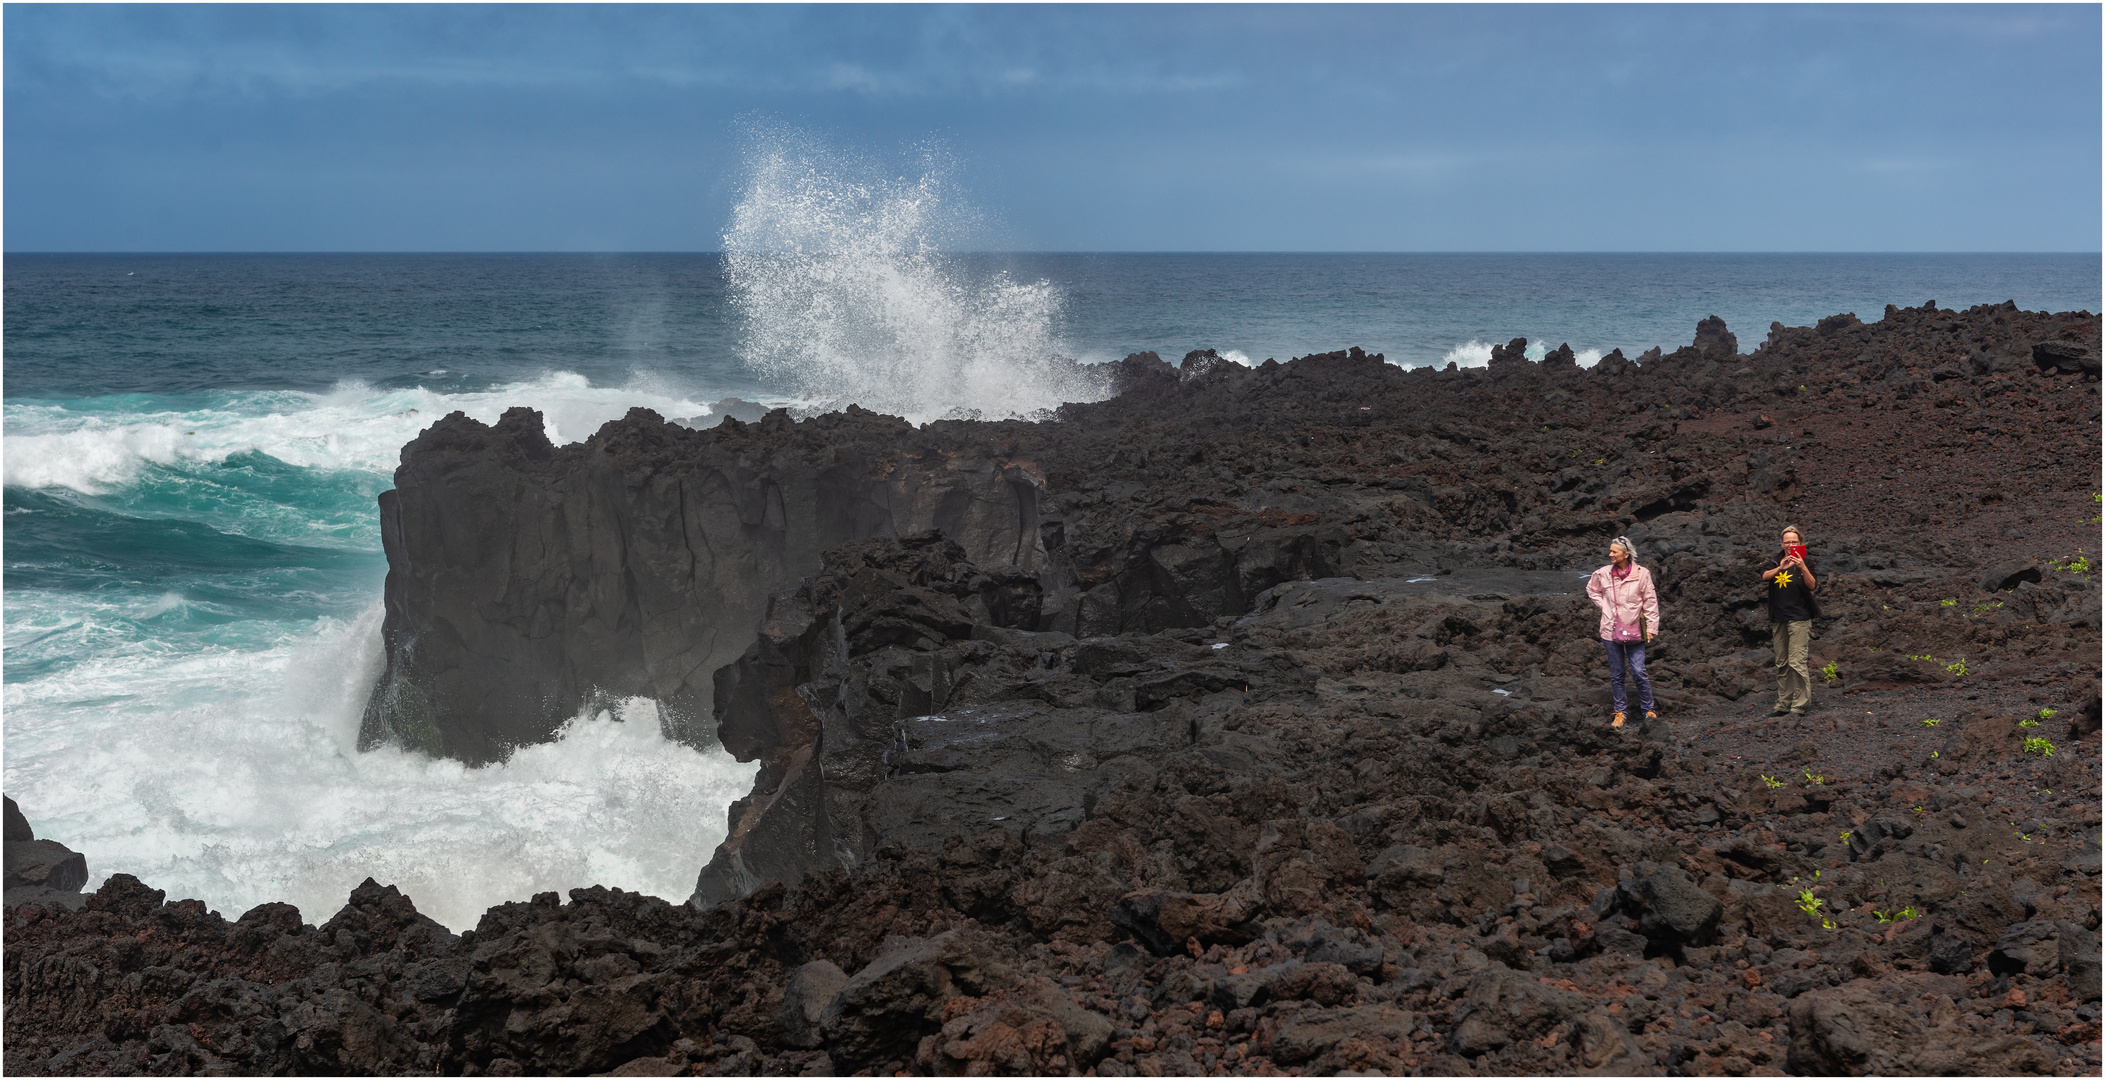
(229, 776)
(840, 274)
(1476, 354)
(352, 426)
(1469, 354)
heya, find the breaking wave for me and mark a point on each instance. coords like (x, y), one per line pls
(848, 290)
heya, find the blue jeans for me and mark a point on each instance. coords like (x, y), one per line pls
(1630, 655)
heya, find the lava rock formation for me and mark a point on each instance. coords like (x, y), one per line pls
(1247, 722)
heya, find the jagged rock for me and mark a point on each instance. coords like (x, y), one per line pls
(1712, 337)
(1505, 1009)
(1308, 1035)
(1164, 920)
(885, 1009)
(18, 829)
(1031, 1029)
(1847, 1031)
(527, 582)
(2043, 948)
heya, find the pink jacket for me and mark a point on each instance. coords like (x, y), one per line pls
(1623, 600)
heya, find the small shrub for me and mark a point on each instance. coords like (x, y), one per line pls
(2046, 714)
(1830, 671)
(1957, 667)
(2039, 746)
(2028, 722)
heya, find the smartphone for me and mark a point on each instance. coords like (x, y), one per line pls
(1796, 551)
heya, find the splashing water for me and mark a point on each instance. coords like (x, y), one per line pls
(192, 626)
(847, 294)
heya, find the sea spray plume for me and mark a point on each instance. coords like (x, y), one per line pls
(848, 295)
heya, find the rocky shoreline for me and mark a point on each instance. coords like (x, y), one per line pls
(1247, 722)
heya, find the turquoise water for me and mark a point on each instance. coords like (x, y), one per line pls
(193, 444)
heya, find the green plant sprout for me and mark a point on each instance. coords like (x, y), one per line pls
(1600, 461)
(1809, 903)
(1813, 778)
(2074, 564)
(1933, 755)
(1903, 915)
(1829, 671)
(1947, 603)
(1920, 810)
(1827, 924)
(1772, 781)
(1924, 656)
(2046, 714)
(2028, 722)
(1932, 722)
(2039, 746)
(1846, 834)
(1957, 667)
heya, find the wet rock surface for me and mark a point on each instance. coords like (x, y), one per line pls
(43, 871)
(1297, 761)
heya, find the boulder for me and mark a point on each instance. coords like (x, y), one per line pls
(1675, 910)
(811, 988)
(44, 864)
(2066, 357)
(2043, 948)
(2009, 576)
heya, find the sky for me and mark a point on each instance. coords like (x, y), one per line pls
(1100, 128)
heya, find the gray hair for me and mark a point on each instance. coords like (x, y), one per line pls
(1624, 543)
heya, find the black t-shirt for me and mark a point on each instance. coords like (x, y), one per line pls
(1791, 601)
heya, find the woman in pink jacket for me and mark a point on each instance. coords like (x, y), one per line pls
(1629, 617)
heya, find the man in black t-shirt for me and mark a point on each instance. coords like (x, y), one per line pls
(1792, 610)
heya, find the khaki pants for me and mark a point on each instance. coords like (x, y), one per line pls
(1794, 679)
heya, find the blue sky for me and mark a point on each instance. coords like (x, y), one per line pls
(1185, 128)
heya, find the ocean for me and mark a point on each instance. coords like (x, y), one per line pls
(193, 444)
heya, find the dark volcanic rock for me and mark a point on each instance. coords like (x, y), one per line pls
(45, 864)
(40, 871)
(526, 583)
(1291, 756)
(2070, 357)
(17, 825)
(1712, 337)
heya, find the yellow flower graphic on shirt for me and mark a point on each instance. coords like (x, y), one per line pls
(1783, 580)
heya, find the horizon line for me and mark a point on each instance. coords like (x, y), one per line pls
(1028, 251)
